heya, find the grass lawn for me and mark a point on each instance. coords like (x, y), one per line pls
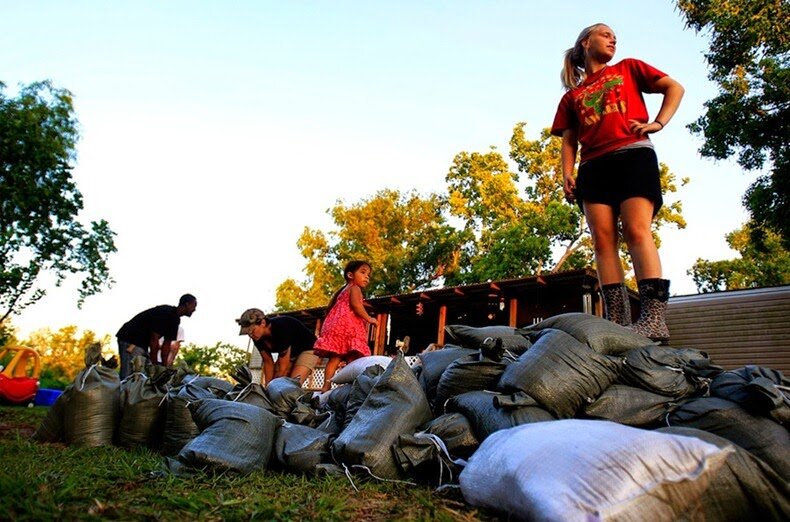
(58, 482)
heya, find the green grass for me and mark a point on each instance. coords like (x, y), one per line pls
(58, 482)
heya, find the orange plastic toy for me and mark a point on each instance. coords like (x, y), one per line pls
(16, 386)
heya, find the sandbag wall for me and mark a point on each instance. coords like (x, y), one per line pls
(495, 411)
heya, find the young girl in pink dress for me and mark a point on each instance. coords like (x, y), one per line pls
(344, 334)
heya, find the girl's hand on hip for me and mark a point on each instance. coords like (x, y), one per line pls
(643, 129)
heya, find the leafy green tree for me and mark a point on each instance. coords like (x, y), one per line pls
(749, 57)
(40, 202)
(220, 360)
(405, 237)
(766, 265)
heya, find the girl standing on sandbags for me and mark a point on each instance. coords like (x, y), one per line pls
(618, 178)
(344, 334)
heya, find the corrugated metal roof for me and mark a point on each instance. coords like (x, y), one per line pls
(736, 327)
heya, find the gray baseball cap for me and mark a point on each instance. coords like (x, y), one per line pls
(249, 319)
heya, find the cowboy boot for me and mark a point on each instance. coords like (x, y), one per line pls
(617, 306)
(653, 297)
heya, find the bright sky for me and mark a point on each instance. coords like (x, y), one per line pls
(214, 132)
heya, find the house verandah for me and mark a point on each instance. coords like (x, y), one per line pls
(510, 302)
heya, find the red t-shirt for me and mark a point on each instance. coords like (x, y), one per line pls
(599, 109)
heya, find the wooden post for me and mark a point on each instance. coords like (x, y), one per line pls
(513, 312)
(381, 334)
(442, 321)
(317, 331)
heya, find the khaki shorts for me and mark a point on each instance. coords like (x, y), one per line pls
(308, 359)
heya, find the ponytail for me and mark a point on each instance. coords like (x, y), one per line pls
(573, 73)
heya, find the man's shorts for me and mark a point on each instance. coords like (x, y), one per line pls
(308, 359)
(617, 176)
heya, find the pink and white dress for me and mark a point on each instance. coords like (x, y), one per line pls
(343, 332)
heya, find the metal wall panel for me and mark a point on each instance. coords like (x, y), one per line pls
(735, 328)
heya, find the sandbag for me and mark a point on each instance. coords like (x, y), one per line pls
(142, 407)
(233, 437)
(180, 428)
(93, 408)
(283, 393)
(489, 412)
(304, 414)
(596, 332)
(247, 390)
(351, 371)
(301, 449)
(468, 373)
(218, 387)
(473, 337)
(762, 391)
(560, 373)
(430, 454)
(51, 428)
(765, 438)
(744, 488)
(433, 365)
(589, 470)
(360, 390)
(632, 406)
(395, 406)
(662, 370)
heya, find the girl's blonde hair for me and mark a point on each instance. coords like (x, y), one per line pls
(573, 73)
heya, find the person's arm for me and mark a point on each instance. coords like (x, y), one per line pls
(357, 305)
(673, 93)
(283, 363)
(153, 346)
(568, 157)
(268, 366)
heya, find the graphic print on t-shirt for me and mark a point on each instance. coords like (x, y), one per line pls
(599, 98)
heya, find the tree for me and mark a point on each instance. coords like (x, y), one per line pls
(220, 360)
(404, 236)
(63, 352)
(749, 57)
(40, 202)
(767, 265)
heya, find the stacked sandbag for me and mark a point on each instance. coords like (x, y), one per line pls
(180, 428)
(233, 436)
(348, 373)
(247, 390)
(434, 363)
(92, 410)
(765, 438)
(469, 373)
(360, 390)
(511, 339)
(218, 387)
(761, 391)
(744, 488)
(395, 406)
(596, 332)
(142, 405)
(489, 412)
(301, 449)
(284, 393)
(589, 470)
(663, 370)
(430, 454)
(560, 373)
(631, 406)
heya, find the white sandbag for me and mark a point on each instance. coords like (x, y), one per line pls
(352, 370)
(589, 470)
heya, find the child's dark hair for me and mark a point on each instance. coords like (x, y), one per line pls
(351, 266)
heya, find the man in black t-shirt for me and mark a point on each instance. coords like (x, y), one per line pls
(285, 336)
(140, 335)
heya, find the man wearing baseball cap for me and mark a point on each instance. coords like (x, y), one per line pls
(285, 336)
